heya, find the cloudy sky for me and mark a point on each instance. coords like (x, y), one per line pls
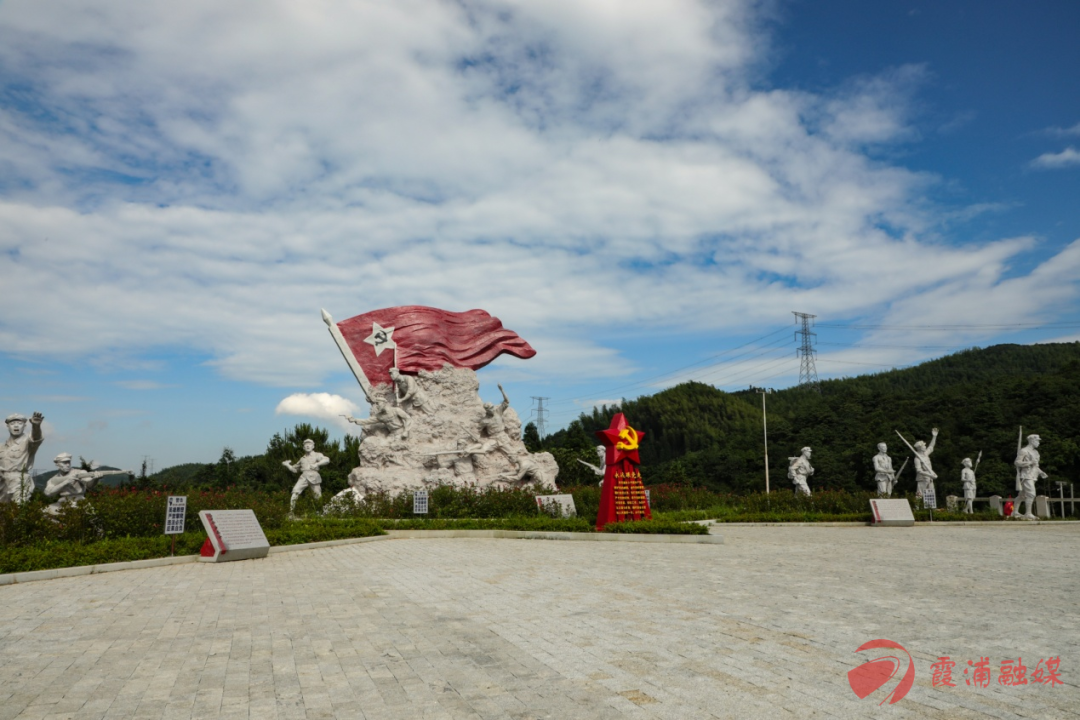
(643, 190)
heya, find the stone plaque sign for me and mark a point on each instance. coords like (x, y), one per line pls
(1042, 506)
(232, 535)
(891, 513)
(564, 503)
(420, 502)
(175, 510)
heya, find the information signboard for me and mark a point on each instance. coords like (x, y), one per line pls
(175, 511)
(891, 513)
(929, 499)
(420, 502)
(563, 503)
(232, 535)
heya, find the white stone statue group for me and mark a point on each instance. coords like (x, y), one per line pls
(1027, 473)
(68, 485)
(431, 429)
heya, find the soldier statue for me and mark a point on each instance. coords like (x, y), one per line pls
(1027, 473)
(17, 458)
(883, 471)
(799, 471)
(69, 485)
(967, 479)
(307, 467)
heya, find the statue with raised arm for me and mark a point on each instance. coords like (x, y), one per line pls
(883, 471)
(924, 469)
(69, 485)
(307, 467)
(408, 391)
(17, 458)
(493, 425)
(967, 479)
(799, 471)
(1028, 473)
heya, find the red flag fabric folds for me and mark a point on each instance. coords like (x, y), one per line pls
(425, 338)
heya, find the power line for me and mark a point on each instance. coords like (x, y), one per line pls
(889, 347)
(1030, 326)
(671, 373)
(807, 370)
(731, 380)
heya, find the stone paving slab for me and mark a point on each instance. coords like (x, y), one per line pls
(765, 625)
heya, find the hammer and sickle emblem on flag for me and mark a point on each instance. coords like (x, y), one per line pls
(381, 338)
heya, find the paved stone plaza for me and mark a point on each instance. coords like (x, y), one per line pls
(765, 625)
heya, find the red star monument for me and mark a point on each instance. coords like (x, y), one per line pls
(622, 497)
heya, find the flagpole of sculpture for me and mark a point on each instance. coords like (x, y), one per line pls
(339, 340)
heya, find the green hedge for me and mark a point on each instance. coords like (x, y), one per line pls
(534, 523)
(68, 553)
(658, 526)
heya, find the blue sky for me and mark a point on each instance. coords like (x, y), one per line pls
(643, 191)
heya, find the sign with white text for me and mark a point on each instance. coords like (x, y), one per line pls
(232, 535)
(175, 511)
(891, 513)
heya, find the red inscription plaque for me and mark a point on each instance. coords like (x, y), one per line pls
(623, 496)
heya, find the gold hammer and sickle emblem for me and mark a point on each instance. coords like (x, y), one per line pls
(628, 439)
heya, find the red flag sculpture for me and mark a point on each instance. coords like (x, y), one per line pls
(623, 495)
(414, 338)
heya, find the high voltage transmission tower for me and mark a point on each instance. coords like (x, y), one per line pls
(541, 415)
(807, 369)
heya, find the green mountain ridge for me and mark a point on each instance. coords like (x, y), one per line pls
(978, 398)
(697, 434)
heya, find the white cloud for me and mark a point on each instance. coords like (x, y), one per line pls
(321, 406)
(1058, 131)
(1066, 158)
(207, 176)
(142, 385)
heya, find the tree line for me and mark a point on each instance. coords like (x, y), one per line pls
(699, 435)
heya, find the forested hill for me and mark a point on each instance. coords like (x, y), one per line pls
(970, 366)
(977, 398)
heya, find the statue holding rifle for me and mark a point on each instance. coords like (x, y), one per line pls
(1027, 474)
(883, 471)
(924, 470)
(69, 485)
